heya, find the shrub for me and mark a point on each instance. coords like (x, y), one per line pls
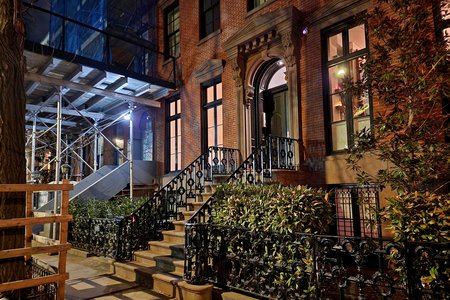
(419, 217)
(107, 209)
(273, 208)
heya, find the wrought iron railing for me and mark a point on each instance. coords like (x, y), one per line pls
(94, 235)
(41, 292)
(147, 222)
(306, 266)
(274, 153)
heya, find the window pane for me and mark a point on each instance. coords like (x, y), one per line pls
(172, 129)
(339, 135)
(219, 115)
(173, 146)
(357, 38)
(337, 108)
(179, 106)
(210, 94)
(219, 91)
(211, 141)
(210, 117)
(219, 135)
(172, 108)
(335, 46)
(173, 162)
(336, 76)
(360, 123)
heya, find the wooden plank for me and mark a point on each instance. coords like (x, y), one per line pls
(89, 89)
(33, 250)
(28, 227)
(34, 187)
(21, 284)
(17, 222)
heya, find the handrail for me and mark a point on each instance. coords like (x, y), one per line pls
(136, 229)
(257, 168)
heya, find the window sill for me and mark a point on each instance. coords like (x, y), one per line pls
(258, 8)
(209, 36)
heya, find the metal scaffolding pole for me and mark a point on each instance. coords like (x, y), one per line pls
(131, 151)
(58, 156)
(95, 147)
(33, 150)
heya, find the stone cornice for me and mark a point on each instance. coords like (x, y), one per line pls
(263, 29)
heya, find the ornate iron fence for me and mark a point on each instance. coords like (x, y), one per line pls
(305, 266)
(43, 291)
(97, 236)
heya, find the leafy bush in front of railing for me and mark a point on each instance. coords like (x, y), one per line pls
(419, 217)
(107, 209)
(276, 208)
(280, 210)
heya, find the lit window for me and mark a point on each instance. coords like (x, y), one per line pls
(213, 115)
(346, 51)
(174, 135)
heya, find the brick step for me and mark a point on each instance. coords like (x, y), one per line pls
(133, 271)
(172, 236)
(166, 248)
(167, 263)
(179, 225)
(203, 197)
(186, 215)
(166, 285)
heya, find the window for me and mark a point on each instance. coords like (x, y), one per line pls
(213, 116)
(444, 21)
(172, 30)
(209, 17)
(345, 52)
(356, 211)
(255, 3)
(147, 138)
(174, 135)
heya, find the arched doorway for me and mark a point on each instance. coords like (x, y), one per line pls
(270, 111)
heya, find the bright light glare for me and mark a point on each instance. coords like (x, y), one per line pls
(127, 117)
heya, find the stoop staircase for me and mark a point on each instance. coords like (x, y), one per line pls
(161, 266)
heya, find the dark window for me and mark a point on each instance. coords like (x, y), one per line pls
(356, 211)
(172, 30)
(345, 50)
(209, 17)
(212, 115)
(173, 109)
(255, 3)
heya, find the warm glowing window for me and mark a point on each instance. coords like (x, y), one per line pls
(213, 114)
(345, 52)
(174, 135)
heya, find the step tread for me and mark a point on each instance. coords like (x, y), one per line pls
(178, 222)
(167, 277)
(164, 244)
(137, 266)
(173, 233)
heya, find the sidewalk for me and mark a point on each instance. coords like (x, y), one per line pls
(90, 278)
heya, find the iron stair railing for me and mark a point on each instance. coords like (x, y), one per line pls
(273, 153)
(147, 222)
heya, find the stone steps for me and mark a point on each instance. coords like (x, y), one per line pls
(161, 267)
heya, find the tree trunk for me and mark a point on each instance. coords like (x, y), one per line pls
(12, 133)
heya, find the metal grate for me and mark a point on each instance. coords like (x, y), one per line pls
(357, 210)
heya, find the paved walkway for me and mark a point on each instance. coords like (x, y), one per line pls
(90, 278)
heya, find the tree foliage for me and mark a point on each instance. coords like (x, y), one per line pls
(408, 76)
